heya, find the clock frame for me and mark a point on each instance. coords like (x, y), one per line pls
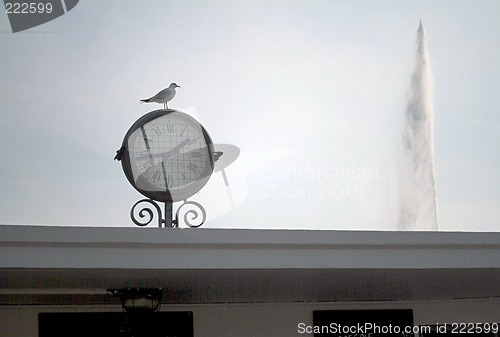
(167, 155)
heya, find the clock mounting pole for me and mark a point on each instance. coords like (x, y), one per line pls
(168, 215)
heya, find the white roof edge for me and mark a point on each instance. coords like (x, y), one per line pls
(123, 236)
(39, 247)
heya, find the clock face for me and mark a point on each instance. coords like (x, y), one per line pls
(170, 154)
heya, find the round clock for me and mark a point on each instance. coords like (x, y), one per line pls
(167, 155)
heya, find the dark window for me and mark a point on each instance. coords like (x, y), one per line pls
(363, 323)
(116, 324)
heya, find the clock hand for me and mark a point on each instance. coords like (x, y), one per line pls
(176, 149)
(146, 141)
(165, 155)
(164, 175)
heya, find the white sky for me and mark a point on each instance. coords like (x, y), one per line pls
(312, 92)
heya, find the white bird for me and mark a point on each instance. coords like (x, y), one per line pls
(163, 96)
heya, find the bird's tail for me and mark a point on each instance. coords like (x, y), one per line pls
(145, 100)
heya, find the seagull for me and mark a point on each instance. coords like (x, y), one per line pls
(163, 96)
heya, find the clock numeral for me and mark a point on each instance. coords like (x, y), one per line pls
(146, 165)
(185, 127)
(169, 180)
(192, 167)
(192, 141)
(185, 178)
(170, 127)
(156, 175)
(196, 154)
(157, 129)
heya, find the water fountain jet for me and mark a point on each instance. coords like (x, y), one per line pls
(418, 202)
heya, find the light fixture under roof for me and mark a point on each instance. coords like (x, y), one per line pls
(138, 299)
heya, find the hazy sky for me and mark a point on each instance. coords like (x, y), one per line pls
(312, 92)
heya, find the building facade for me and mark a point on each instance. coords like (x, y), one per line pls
(249, 282)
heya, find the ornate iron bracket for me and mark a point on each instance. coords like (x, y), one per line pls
(191, 213)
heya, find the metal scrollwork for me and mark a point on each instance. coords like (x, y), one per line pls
(147, 211)
(192, 215)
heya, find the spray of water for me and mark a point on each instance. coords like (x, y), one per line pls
(418, 204)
